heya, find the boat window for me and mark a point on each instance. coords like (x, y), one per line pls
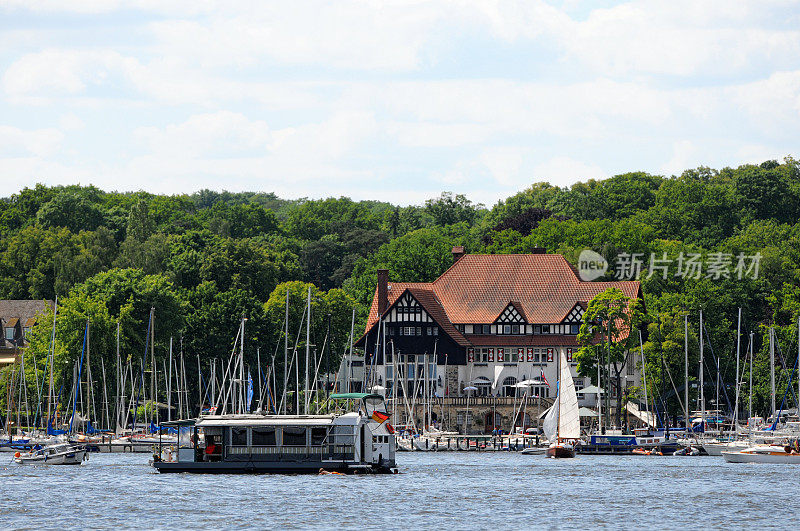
(376, 403)
(294, 436)
(185, 436)
(318, 436)
(264, 436)
(238, 436)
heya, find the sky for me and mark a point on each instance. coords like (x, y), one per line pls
(390, 100)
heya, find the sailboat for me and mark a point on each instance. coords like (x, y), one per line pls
(562, 423)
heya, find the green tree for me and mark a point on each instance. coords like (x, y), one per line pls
(607, 333)
(448, 209)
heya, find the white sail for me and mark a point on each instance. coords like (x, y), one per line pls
(569, 422)
(550, 424)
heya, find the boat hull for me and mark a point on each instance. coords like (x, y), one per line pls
(534, 450)
(716, 449)
(253, 467)
(560, 451)
(776, 458)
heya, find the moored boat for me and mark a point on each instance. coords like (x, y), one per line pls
(358, 442)
(769, 454)
(57, 454)
(562, 423)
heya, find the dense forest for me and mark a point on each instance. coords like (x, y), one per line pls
(206, 259)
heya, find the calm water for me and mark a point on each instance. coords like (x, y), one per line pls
(443, 490)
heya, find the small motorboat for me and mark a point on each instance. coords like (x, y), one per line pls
(57, 454)
(534, 450)
(687, 451)
(764, 454)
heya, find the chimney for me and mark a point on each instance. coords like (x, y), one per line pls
(458, 252)
(383, 290)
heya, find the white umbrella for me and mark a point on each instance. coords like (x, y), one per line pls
(591, 390)
(586, 412)
(470, 388)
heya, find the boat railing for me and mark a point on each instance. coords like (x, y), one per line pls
(340, 452)
(329, 451)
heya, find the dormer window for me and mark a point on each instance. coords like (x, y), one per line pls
(510, 315)
(575, 315)
(10, 333)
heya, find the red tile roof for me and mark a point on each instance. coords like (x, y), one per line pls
(477, 288)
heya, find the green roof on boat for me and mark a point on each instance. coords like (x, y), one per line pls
(354, 396)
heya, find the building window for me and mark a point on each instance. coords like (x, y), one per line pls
(574, 329)
(506, 329)
(545, 329)
(410, 330)
(10, 334)
(537, 329)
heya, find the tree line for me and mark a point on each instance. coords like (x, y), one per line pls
(204, 260)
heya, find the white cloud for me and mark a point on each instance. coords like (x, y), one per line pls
(15, 142)
(504, 163)
(70, 122)
(563, 171)
(684, 156)
(430, 134)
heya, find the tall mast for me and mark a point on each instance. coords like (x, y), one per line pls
(90, 402)
(286, 351)
(350, 359)
(242, 403)
(686, 369)
(772, 366)
(738, 346)
(558, 398)
(308, 347)
(599, 397)
(116, 395)
(105, 393)
(644, 381)
(750, 386)
(169, 383)
(152, 364)
(50, 397)
(702, 389)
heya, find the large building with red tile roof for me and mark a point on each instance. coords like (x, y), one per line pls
(487, 323)
(17, 317)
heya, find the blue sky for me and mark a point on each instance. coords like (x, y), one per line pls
(392, 100)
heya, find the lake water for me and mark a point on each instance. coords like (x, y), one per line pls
(433, 490)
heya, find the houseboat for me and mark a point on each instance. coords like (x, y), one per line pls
(361, 441)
